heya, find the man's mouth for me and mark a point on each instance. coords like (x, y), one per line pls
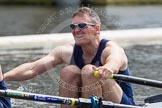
(79, 36)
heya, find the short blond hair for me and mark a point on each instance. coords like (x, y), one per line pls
(88, 11)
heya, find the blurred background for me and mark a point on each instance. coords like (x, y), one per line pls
(23, 17)
(31, 17)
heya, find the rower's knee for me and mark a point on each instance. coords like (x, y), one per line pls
(87, 72)
(90, 84)
(71, 75)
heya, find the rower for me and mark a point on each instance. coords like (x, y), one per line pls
(4, 101)
(89, 53)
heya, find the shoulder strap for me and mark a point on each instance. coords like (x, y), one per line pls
(97, 59)
(76, 58)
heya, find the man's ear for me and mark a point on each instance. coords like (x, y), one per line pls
(97, 26)
(1, 75)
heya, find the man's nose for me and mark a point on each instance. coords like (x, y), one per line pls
(76, 29)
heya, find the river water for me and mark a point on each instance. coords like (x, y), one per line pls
(22, 20)
(145, 58)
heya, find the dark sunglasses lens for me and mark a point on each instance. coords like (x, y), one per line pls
(82, 25)
(72, 26)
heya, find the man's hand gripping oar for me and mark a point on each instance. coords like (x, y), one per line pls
(132, 79)
(102, 72)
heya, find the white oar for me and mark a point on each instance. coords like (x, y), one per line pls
(82, 102)
(60, 100)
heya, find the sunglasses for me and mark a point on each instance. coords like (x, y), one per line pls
(80, 25)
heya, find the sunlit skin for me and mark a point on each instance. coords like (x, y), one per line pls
(87, 37)
(1, 77)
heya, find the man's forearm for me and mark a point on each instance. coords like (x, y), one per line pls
(21, 73)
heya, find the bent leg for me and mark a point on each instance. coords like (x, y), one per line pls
(90, 84)
(70, 81)
(108, 89)
(112, 91)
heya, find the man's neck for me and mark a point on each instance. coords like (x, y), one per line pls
(91, 49)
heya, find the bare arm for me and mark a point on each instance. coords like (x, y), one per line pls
(29, 70)
(115, 58)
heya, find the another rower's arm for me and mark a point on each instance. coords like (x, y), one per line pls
(27, 71)
(115, 58)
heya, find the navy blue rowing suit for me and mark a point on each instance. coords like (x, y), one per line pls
(4, 102)
(77, 59)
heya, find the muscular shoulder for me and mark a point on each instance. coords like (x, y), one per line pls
(112, 47)
(114, 52)
(63, 53)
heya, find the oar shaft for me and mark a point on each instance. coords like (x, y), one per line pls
(86, 103)
(137, 80)
(60, 100)
(38, 97)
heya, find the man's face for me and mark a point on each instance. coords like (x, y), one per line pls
(86, 31)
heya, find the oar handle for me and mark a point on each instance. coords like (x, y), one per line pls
(132, 79)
